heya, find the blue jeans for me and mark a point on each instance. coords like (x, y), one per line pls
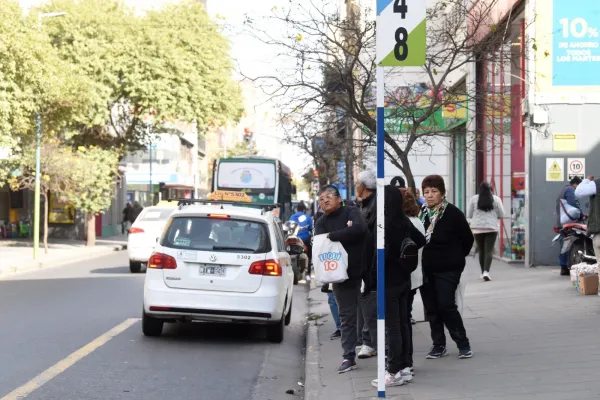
(563, 259)
(334, 310)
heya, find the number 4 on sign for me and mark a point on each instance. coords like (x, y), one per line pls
(401, 8)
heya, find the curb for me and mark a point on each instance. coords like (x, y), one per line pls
(59, 263)
(312, 376)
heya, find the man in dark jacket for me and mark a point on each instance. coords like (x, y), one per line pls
(568, 194)
(344, 224)
(367, 304)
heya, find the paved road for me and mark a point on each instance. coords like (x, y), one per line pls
(47, 315)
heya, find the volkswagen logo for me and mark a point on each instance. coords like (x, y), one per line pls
(213, 258)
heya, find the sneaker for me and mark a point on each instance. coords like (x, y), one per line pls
(307, 278)
(366, 352)
(412, 370)
(407, 375)
(412, 321)
(390, 380)
(335, 335)
(465, 353)
(347, 365)
(486, 276)
(437, 352)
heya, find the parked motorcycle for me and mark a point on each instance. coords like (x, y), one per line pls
(577, 242)
(296, 248)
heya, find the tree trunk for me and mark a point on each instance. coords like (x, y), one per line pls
(46, 222)
(410, 179)
(90, 224)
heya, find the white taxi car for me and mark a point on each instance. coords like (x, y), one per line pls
(144, 234)
(219, 262)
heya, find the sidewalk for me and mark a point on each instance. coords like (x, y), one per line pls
(534, 337)
(16, 256)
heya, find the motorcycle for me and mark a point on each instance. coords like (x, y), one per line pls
(577, 242)
(297, 249)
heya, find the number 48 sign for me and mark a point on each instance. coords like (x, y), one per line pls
(401, 33)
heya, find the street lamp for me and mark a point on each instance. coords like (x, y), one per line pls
(38, 137)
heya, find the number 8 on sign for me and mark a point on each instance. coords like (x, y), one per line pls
(401, 32)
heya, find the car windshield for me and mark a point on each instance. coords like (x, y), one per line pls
(214, 234)
(156, 214)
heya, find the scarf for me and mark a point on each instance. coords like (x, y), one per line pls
(434, 215)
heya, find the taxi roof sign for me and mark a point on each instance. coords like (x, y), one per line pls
(229, 195)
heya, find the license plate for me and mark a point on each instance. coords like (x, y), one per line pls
(213, 271)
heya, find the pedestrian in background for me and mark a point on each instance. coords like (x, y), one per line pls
(449, 241)
(397, 287)
(367, 305)
(126, 214)
(411, 209)
(346, 225)
(485, 211)
(590, 187)
(419, 198)
(567, 199)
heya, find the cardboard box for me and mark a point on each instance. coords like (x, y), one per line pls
(588, 284)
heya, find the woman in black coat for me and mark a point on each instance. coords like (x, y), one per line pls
(449, 241)
(397, 287)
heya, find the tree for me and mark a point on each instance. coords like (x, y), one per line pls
(57, 177)
(94, 173)
(329, 66)
(34, 80)
(168, 65)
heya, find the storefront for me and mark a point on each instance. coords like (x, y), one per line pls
(500, 156)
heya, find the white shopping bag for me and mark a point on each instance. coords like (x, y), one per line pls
(330, 260)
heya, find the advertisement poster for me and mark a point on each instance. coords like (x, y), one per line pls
(575, 43)
(250, 175)
(60, 212)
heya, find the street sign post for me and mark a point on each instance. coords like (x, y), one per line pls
(401, 42)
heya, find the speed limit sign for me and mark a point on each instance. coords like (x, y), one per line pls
(401, 33)
(576, 167)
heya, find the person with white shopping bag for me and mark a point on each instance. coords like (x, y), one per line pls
(337, 253)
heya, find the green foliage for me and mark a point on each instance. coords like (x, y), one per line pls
(33, 79)
(94, 172)
(168, 65)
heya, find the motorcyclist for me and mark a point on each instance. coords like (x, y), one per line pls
(305, 224)
(568, 195)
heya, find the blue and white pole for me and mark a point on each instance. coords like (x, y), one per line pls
(380, 235)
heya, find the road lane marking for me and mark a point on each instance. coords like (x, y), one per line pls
(65, 363)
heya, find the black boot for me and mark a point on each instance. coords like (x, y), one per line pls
(564, 271)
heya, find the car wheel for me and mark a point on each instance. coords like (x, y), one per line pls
(275, 331)
(288, 317)
(135, 267)
(151, 326)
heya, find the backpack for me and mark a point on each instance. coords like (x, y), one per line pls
(409, 255)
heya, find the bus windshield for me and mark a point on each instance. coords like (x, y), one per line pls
(244, 175)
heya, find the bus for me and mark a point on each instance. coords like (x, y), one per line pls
(265, 180)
